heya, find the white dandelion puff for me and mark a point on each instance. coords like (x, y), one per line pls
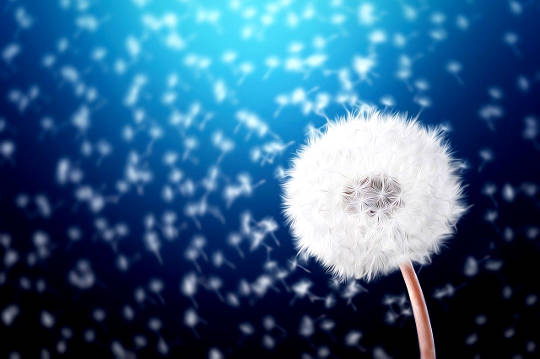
(374, 191)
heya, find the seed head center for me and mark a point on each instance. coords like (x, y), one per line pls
(376, 196)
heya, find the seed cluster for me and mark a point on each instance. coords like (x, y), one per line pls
(377, 196)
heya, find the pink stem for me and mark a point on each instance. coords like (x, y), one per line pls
(421, 316)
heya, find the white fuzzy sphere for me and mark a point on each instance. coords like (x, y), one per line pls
(375, 190)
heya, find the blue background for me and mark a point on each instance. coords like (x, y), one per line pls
(482, 290)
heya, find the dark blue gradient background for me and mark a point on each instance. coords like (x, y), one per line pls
(504, 289)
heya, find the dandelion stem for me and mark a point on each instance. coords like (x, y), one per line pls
(421, 316)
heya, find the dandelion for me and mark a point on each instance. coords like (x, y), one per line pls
(374, 193)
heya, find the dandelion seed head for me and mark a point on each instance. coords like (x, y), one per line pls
(373, 191)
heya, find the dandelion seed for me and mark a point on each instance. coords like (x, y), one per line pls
(489, 189)
(454, 68)
(153, 244)
(234, 240)
(366, 14)
(471, 267)
(272, 63)
(363, 67)
(192, 319)
(82, 275)
(487, 156)
(307, 327)
(462, 22)
(7, 150)
(511, 39)
(9, 314)
(246, 328)
(156, 286)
